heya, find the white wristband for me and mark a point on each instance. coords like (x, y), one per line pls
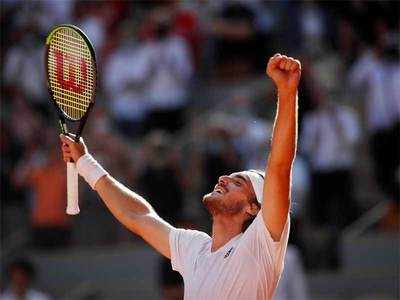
(90, 169)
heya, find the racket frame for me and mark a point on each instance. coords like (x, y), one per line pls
(62, 115)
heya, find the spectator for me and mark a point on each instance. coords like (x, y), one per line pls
(21, 274)
(13, 212)
(20, 127)
(235, 31)
(45, 175)
(184, 23)
(125, 82)
(312, 20)
(348, 42)
(329, 136)
(161, 172)
(168, 69)
(24, 67)
(377, 73)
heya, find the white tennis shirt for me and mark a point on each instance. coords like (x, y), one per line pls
(247, 267)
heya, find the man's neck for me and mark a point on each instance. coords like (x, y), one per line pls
(223, 230)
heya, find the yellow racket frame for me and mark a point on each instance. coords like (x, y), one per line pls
(73, 90)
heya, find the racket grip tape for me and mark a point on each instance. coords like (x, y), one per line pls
(72, 189)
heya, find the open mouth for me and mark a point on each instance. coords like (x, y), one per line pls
(220, 190)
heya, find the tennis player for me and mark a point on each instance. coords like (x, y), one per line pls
(243, 258)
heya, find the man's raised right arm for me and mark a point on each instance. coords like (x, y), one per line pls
(132, 210)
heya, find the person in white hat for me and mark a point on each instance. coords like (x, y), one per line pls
(243, 258)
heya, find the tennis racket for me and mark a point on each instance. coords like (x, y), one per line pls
(71, 78)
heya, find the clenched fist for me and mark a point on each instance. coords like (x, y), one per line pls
(285, 72)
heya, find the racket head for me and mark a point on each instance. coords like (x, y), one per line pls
(71, 71)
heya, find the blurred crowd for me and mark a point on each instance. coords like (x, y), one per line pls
(182, 99)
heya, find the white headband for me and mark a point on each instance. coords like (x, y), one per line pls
(257, 181)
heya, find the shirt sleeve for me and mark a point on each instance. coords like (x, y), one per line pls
(259, 242)
(184, 247)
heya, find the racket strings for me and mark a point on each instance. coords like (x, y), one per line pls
(71, 72)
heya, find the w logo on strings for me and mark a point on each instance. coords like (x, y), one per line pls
(71, 83)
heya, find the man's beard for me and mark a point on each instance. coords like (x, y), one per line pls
(217, 206)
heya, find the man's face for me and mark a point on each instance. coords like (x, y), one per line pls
(231, 195)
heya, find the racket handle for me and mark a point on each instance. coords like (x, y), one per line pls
(72, 189)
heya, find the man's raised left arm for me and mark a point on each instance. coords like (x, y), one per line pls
(285, 73)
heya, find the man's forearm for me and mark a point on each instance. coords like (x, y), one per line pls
(124, 204)
(285, 72)
(284, 137)
(128, 207)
